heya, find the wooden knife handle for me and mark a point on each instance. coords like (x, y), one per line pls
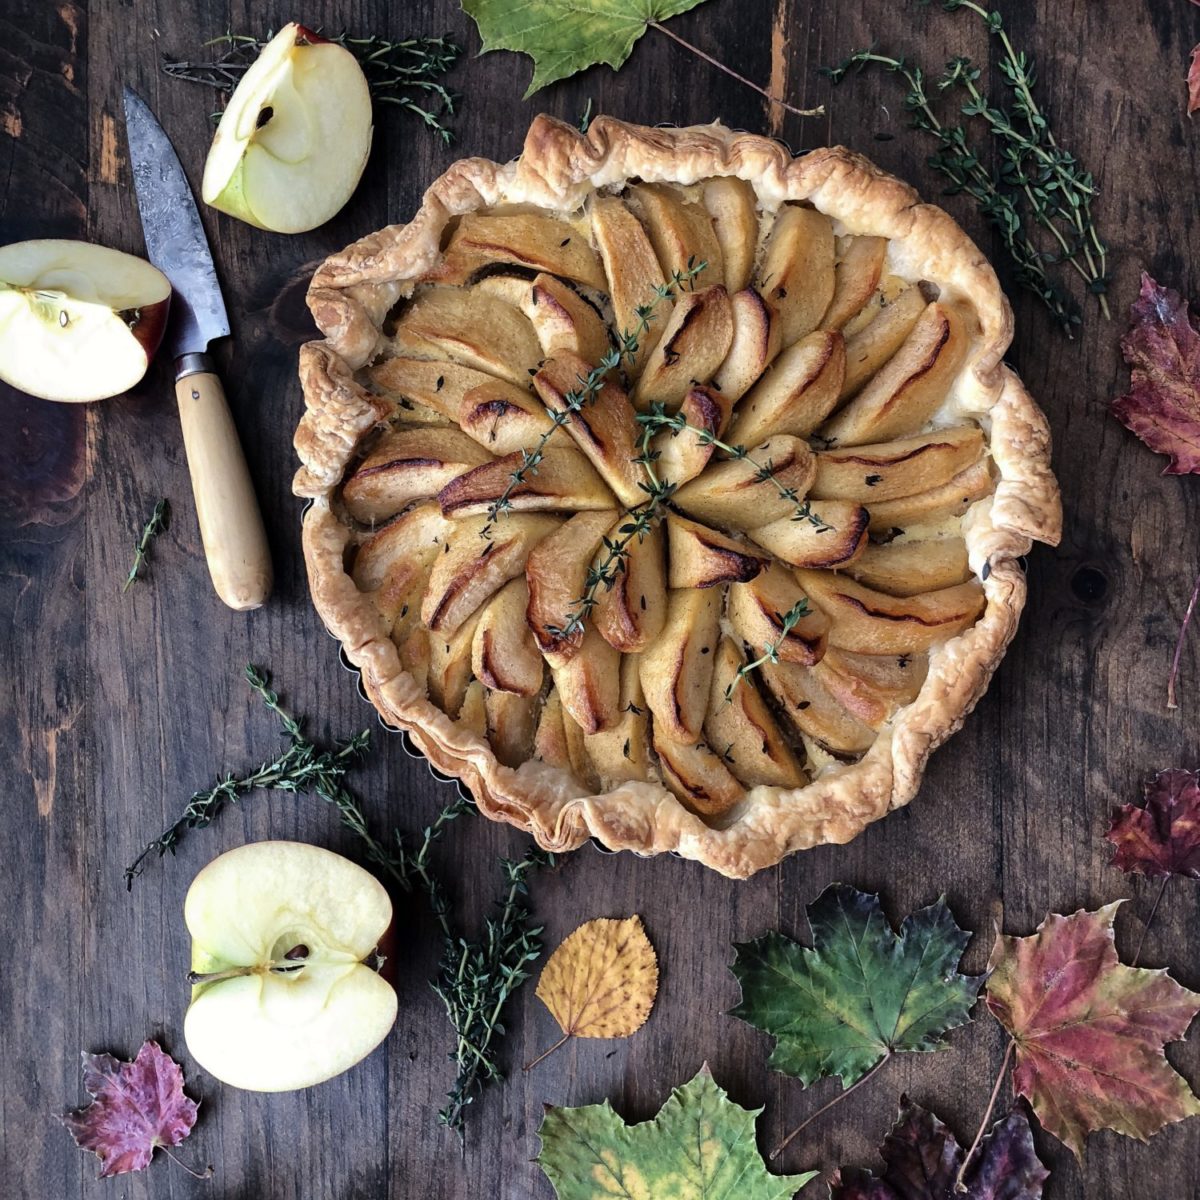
(231, 526)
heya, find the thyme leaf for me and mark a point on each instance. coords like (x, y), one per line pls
(160, 520)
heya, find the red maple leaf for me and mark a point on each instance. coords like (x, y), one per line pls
(1088, 1031)
(1193, 80)
(136, 1107)
(1163, 837)
(1162, 405)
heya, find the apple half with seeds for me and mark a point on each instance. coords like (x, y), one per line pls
(78, 322)
(294, 138)
(285, 993)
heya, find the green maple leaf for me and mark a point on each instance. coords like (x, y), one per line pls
(700, 1144)
(862, 993)
(565, 36)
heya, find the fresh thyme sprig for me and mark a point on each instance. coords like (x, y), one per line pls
(398, 72)
(160, 519)
(787, 622)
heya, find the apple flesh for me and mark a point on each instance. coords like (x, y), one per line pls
(294, 138)
(78, 322)
(284, 994)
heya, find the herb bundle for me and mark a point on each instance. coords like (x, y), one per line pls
(160, 520)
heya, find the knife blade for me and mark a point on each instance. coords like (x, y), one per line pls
(231, 527)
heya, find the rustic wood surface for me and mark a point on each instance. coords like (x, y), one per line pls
(113, 707)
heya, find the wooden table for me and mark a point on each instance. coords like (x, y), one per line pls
(115, 707)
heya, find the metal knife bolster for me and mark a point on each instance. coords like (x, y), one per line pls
(194, 364)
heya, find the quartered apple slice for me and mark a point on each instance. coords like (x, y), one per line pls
(450, 665)
(504, 653)
(859, 268)
(872, 687)
(756, 341)
(911, 565)
(560, 742)
(630, 613)
(565, 482)
(681, 232)
(797, 276)
(562, 319)
(867, 349)
(698, 776)
(622, 752)
(511, 724)
(589, 683)
(693, 345)
(755, 611)
(677, 669)
(807, 705)
(733, 207)
(927, 508)
(836, 536)
(683, 454)
(700, 557)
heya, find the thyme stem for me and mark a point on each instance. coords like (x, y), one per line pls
(159, 521)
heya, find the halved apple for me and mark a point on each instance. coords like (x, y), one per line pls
(677, 669)
(733, 207)
(681, 232)
(285, 991)
(797, 273)
(622, 752)
(872, 686)
(911, 565)
(756, 340)
(700, 557)
(562, 319)
(807, 705)
(78, 322)
(589, 683)
(859, 267)
(756, 612)
(630, 613)
(683, 454)
(698, 776)
(563, 482)
(693, 345)
(294, 137)
(504, 654)
(840, 538)
(927, 508)
(450, 665)
(867, 349)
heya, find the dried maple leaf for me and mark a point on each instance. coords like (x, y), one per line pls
(1088, 1031)
(1162, 406)
(601, 982)
(1162, 838)
(1193, 81)
(136, 1107)
(922, 1160)
(699, 1144)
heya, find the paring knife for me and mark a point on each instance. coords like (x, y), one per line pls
(231, 526)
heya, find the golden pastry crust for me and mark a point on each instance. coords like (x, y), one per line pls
(350, 297)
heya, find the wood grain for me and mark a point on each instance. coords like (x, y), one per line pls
(114, 708)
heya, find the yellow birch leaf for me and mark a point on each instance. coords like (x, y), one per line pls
(601, 982)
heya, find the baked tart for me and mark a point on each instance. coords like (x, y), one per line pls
(669, 489)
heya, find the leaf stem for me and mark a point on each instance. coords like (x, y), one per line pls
(207, 1173)
(1187, 620)
(826, 1107)
(562, 1041)
(1162, 887)
(987, 1116)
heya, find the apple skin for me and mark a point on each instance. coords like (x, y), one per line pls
(261, 1028)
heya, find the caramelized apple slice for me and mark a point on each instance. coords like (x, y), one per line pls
(697, 776)
(869, 348)
(755, 344)
(504, 419)
(926, 508)
(870, 622)
(605, 428)
(472, 713)
(797, 274)
(413, 648)
(872, 687)
(534, 240)
(511, 724)
(435, 383)
(683, 454)
(450, 665)
(807, 705)
(677, 669)
(408, 465)
(733, 208)
(504, 654)
(633, 273)
(910, 566)
(630, 613)
(561, 318)
(741, 728)
(589, 683)
(560, 742)
(681, 233)
(557, 577)
(859, 267)
(900, 468)
(756, 612)
(739, 494)
(623, 752)
(564, 482)
(693, 345)
(473, 568)
(796, 394)
(839, 538)
(703, 558)
(471, 327)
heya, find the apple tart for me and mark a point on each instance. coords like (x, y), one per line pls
(669, 489)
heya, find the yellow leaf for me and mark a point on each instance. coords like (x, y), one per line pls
(601, 982)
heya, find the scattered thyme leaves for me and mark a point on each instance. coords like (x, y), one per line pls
(160, 520)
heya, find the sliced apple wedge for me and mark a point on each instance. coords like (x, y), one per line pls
(927, 508)
(739, 494)
(797, 274)
(413, 649)
(630, 613)
(677, 669)
(756, 340)
(870, 622)
(511, 725)
(560, 742)
(407, 465)
(756, 611)
(683, 454)
(564, 482)
(78, 322)
(472, 327)
(589, 683)
(294, 137)
(733, 208)
(681, 232)
(857, 275)
(700, 557)
(562, 319)
(869, 348)
(807, 705)
(472, 568)
(872, 687)
(525, 239)
(796, 394)
(698, 776)
(557, 577)
(911, 565)
(504, 654)
(605, 429)
(741, 727)
(284, 993)
(622, 752)
(450, 665)
(472, 713)
(693, 345)
(840, 538)
(898, 468)
(504, 419)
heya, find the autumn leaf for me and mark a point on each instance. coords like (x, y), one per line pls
(566, 36)
(136, 1108)
(1162, 838)
(1162, 406)
(601, 982)
(700, 1144)
(1088, 1031)
(922, 1160)
(861, 993)
(1193, 81)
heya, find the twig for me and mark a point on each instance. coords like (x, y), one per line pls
(987, 1116)
(160, 520)
(1162, 887)
(1187, 620)
(832, 1103)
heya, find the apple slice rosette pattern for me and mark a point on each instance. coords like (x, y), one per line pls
(669, 489)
